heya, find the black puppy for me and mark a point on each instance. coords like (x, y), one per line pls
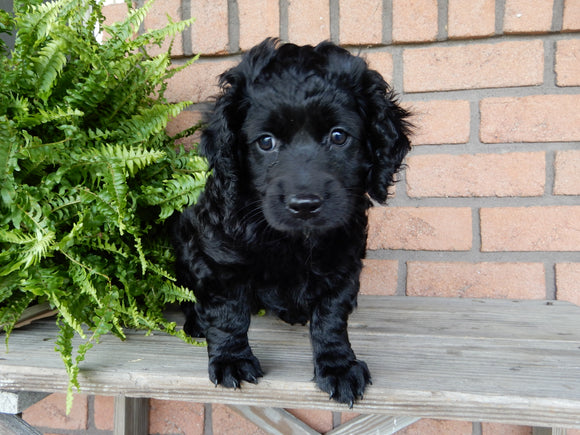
(298, 140)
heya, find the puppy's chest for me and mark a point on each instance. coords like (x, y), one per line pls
(296, 276)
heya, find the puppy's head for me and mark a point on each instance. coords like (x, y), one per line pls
(305, 133)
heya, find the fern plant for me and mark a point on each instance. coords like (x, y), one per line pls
(88, 174)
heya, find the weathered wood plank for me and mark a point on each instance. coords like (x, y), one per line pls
(477, 360)
(13, 425)
(274, 421)
(373, 424)
(36, 312)
(15, 403)
(548, 431)
(131, 416)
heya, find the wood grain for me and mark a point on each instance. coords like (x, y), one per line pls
(504, 361)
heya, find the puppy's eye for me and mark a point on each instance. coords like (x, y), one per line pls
(338, 136)
(266, 143)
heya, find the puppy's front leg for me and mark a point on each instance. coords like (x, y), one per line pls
(336, 369)
(231, 359)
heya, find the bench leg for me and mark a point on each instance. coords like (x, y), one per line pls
(12, 424)
(548, 431)
(373, 424)
(274, 421)
(131, 416)
(15, 403)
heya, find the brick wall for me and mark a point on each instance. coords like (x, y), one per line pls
(489, 205)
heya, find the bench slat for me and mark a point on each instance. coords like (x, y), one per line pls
(468, 359)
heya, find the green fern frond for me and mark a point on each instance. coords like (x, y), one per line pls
(38, 23)
(152, 120)
(158, 36)
(133, 158)
(123, 30)
(115, 192)
(82, 144)
(55, 115)
(83, 281)
(66, 314)
(175, 194)
(11, 309)
(49, 65)
(174, 293)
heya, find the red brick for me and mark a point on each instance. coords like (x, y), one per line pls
(567, 279)
(198, 82)
(505, 429)
(379, 277)
(440, 122)
(382, 62)
(530, 228)
(501, 175)
(115, 13)
(528, 16)
(51, 413)
(104, 412)
(537, 118)
(420, 228)
(414, 20)
(438, 427)
(345, 417)
(503, 64)
(361, 22)
(317, 419)
(259, 19)
(209, 33)
(568, 63)
(227, 422)
(176, 417)
(571, 20)
(157, 19)
(567, 165)
(476, 280)
(475, 21)
(308, 21)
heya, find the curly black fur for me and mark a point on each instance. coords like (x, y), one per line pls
(299, 138)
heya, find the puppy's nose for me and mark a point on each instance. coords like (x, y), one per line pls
(304, 206)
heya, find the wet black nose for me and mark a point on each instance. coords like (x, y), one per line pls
(304, 206)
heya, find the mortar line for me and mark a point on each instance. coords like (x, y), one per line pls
(207, 419)
(476, 243)
(442, 20)
(387, 22)
(402, 272)
(284, 34)
(186, 35)
(550, 275)
(499, 13)
(549, 64)
(233, 27)
(550, 173)
(475, 257)
(557, 16)
(474, 143)
(334, 11)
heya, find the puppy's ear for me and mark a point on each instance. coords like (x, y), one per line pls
(387, 134)
(220, 142)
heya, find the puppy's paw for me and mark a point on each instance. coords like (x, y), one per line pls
(345, 384)
(230, 371)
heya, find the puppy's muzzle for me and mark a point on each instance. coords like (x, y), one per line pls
(304, 206)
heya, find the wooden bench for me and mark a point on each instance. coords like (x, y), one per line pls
(486, 360)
